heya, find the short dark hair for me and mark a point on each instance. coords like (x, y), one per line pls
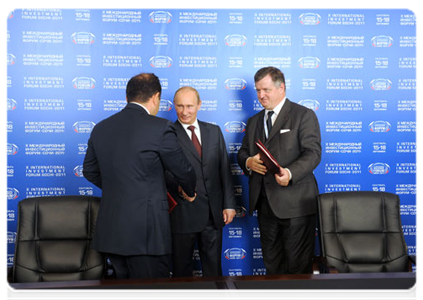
(142, 87)
(276, 75)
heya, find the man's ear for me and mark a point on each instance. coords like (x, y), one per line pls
(155, 98)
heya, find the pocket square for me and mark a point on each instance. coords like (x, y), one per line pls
(284, 130)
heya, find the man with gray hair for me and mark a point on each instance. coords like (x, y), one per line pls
(285, 201)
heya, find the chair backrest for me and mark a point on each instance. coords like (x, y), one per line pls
(53, 240)
(362, 232)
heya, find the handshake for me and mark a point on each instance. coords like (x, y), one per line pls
(185, 196)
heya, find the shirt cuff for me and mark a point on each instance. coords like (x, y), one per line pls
(290, 174)
(247, 168)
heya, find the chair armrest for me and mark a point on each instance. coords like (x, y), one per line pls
(415, 260)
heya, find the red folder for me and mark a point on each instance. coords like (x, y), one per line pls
(267, 158)
(171, 201)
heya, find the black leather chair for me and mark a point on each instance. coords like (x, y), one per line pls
(53, 240)
(362, 232)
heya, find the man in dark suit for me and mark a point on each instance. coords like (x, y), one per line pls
(286, 202)
(127, 156)
(203, 219)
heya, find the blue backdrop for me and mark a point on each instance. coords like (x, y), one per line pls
(68, 69)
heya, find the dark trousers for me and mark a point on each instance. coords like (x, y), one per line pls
(287, 244)
(209, 247)
(140, 266)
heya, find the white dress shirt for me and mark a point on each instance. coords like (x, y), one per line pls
(141, 106)
(276, 111)
(196, 130)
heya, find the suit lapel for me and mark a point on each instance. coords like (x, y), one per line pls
(280, 120)
(259, 132)
(185, 141)
(205, 142)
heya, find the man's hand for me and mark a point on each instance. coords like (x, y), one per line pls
(256, 164)
(228, 215)
(185, 196)
(283, 177)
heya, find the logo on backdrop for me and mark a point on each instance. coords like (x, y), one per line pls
(309, 62)
(236, 40)
(235, 253)
(165, 105)
(12, 149)
(11, 59)
(240, 211)
(380, 84)
(77, 171)
(382, 41)
(12, 193)
(160, 17)
(9, 13)
(235, 84)
(83, 126)
(379, 126)
(235, 126)
(83, 38)
(310, 19)
(11, 104)
(161, 61)
(379, 168)
(236, 170)
(311, 104)
(83, 83)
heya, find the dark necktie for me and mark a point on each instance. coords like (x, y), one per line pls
(194, 139)
(269, 122)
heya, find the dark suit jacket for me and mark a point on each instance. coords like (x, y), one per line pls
(298, 149)
(214, 181)
(126, 157)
